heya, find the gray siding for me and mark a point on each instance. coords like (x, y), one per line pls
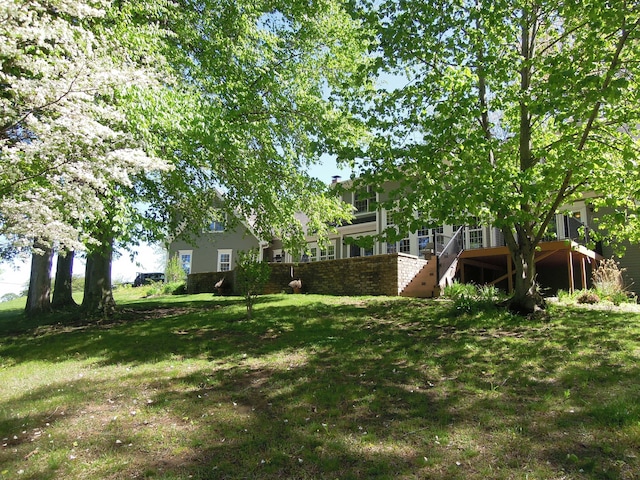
(205, 250)
(629, 261)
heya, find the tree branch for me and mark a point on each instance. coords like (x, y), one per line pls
(607, 81)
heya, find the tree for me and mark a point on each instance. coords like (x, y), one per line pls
(63, 285)
(39, 293)
(62, 141)
(504, 111)
(234, 95)
(65, 141)
(256, 113)
(251, 275)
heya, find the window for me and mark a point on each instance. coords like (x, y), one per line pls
(392, 248)
(572, 224)
(364, 200)
(423, 239)
(405, 245)
(185, 260)
(216, 226)
(224, 260)
(329, 253)
(475, 238)
(475, 235)
(313, 255)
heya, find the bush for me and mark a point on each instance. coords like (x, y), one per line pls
(470, 298)
(608, 282)
(161, 288)
(587, 296)
(251, 276)
(457, 291)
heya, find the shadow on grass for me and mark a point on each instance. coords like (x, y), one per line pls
(373, 389)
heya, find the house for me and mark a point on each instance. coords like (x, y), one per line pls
(426, 260)
(214, 250)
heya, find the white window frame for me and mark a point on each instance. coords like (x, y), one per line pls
(329, 253)
(221, 252)
(186, 259)
(368, 202)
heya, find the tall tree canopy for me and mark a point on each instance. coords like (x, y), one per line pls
(233, 95)
(505, 110)
(255, 110)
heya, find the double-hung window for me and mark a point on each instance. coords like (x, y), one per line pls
(185, 260)
(224, 260)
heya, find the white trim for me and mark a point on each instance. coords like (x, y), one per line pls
(186, 260)
(228, 264)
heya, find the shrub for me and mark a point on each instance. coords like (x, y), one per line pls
(161, 288)
(470, 298)
(251, 276)
(608, 282)
(457, 291)
(588, 297)
(174, 272)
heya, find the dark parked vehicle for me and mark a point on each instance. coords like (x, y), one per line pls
(146, 278)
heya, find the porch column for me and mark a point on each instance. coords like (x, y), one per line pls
(570, 267)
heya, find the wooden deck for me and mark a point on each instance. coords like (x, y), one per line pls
(495, 263)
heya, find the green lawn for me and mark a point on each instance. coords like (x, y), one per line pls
(318, 387)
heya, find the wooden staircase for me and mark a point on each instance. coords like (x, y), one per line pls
(439, 271)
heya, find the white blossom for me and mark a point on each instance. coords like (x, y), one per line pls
(62, 146)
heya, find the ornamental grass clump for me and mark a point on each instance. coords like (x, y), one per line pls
(609, 284)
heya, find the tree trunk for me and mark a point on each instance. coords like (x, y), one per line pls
(62, 288)
(39, 295)
(526, 298)
(98, 293)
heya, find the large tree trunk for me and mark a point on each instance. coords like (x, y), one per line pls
(62, 288)
(98, 293)
(526, 298)
(39, 295)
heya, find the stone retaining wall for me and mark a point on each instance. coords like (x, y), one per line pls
(375, 275)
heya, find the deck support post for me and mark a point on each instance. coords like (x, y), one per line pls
(583, 272)
(509, 273)
(572, 286)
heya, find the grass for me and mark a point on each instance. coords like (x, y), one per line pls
(317, 387)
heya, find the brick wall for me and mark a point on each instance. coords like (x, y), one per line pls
(205, 282)
(375, 275)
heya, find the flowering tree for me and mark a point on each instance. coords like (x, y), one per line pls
(63, 141)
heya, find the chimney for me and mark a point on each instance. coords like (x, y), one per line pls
(335, 179)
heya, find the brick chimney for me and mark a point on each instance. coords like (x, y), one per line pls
(335, 179)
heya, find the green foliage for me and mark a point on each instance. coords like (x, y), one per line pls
(251, 275)
(469, 298)
(483, 88)
(165, 288)
(174, 272)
